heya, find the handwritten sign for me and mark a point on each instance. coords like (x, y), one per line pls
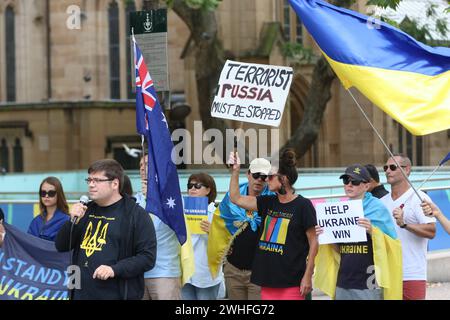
(251, 92)
(339, 221)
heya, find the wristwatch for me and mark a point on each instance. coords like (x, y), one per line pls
(403, 226)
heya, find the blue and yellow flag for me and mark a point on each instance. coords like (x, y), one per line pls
(228, 221)
(387, 255)
(187, 261)
(32, 269)
(407, 79)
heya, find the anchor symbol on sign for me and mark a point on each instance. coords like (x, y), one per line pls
(148, 23)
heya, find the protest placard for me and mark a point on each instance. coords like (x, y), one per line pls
(251, 92)
(195, 210)
(339, 221)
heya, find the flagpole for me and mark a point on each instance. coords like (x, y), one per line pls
(435, 169)
(423, 182)
(384, 144)
(142, 136)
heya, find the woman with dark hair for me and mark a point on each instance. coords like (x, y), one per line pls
(53, 210)
(284, 260)
(127, 188)
(201, 286)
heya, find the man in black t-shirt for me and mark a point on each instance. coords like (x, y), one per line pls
(237, 270)
(113, 238)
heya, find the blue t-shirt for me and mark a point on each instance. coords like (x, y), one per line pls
(168, 248)
(48, 230)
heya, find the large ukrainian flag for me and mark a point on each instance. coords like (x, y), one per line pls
(410, 81)
(228, 222)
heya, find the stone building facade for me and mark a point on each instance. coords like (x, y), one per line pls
(65, 95)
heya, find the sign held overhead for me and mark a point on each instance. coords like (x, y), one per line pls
(251, 92)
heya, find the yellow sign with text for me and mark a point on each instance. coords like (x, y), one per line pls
(196, 211)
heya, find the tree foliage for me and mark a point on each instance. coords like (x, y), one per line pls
(200, 18)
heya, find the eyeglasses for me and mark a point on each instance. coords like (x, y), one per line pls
(258, 175)
(393, 167)
(347, 180)
(50, 193)
(271, 176)
(97, 180)
(195, 185)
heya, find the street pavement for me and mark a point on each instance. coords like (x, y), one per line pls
(435, 291)
(438, 291)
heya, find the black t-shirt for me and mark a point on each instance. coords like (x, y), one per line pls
(356, 265)
(280, 258)
(100, 246)
(243, 249)
(379, 191)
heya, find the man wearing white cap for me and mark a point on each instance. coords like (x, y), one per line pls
(237, 269)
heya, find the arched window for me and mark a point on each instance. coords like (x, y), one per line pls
(130, 7)
(10, 41)
(292, 25)
(18, 156)
(4, 155)
(298, 31)
(286, 20)
(114, 50)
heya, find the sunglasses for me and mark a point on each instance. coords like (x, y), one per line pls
(50, 193)
(195, 185)
(271, 176)
(347, 180)
(258, 175)
(393, 167)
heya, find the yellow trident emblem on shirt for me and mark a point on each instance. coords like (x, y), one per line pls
(94, 242)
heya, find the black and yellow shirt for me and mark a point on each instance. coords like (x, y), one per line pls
(357, 266)
(100, 245)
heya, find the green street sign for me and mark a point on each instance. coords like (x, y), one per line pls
(153, 21)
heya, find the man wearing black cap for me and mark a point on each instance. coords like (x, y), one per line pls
(355, 272)
(375, 187)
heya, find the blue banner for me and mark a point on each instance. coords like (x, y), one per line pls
(31, 268)
(196, 205)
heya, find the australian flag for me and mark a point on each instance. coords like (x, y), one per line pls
(163, 188)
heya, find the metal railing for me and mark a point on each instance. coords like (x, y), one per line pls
(327, 196)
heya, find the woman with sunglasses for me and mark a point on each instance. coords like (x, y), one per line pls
(284, 259)
(201, 286)
(368, 270)
(53, 210)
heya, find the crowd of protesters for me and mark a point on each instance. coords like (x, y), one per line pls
(277, 256)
